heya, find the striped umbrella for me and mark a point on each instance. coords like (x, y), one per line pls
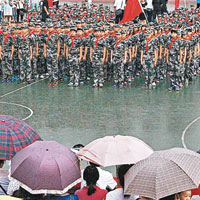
(164, 173)
(15, 135)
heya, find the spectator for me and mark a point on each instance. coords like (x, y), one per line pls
(45, 8)
(198, 3)
(185, 195)
(91, 191)
(105, 180)
(35, 5)
(156, 8)
(14, 10)
(119, 7)
(25, 195)
(163, 6)
(118, 194)
(7, 10)
(1, 8)
(4, 181)
(20, 10)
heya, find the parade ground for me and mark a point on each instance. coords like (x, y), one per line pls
(79, 115)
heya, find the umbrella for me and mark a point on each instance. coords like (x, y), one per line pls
(15, 135)
(164, 173)
(46, 167)
(115, 150)
(6, 197)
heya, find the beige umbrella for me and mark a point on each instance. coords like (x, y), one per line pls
(164, 173)
(115, 150)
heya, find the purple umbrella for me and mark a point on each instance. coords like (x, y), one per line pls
(46, 167)
(15, 135)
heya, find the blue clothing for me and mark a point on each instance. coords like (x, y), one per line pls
(67, 197)
(198, 1)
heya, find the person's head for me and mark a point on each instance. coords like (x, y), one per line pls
(185, 195)
(25, 195)
(121, 171)
(174, 33)
(78, 146)
(91, 176)
(2, 163)
(170, 197)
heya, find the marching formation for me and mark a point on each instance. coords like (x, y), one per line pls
(78, 44)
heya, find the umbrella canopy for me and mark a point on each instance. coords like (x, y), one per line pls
(115, 150)
(6, 197)
(15, 135)
(164, 173)
(46, 167)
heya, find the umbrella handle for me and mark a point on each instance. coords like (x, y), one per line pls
(3, 189)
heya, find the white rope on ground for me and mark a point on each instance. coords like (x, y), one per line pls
(185, 130)
(21, 88)
(15, 104)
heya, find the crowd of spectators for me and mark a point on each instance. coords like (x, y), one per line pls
(96, 184)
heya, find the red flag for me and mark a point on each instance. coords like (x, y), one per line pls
(177, 4)
(50, 2)
(132, 10)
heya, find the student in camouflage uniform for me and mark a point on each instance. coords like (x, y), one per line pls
(61, 61)
(25, 55)
(52, 53)
(119, 59)
(40, 38)
(149, 58)
(97, 56)
(173, 58)
(6, 55)
(74, 53)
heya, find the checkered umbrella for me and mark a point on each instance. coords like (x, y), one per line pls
(15, 135)
(164, 173)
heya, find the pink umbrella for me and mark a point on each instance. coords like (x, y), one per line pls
(115, 150)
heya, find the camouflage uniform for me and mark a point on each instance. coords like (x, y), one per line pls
(98, 45)
(118, 57)
(25, 62)
(52, 61)
(149, 49)
(7, 71)
(74, 45)
(174, 52)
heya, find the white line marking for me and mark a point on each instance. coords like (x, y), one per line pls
(21, 88)
(185, 130)
(15, 104)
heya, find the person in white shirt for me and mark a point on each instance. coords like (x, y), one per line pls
(118, 193)
(105, 181)
(35, 5)
(119, 7)
(4, 181)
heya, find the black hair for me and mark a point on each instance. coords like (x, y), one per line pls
(91, 176)
(94, 164)
(198, 151)
(121, 171)
(25, 195)
(78, 146)
(170, 197)
(2, 162)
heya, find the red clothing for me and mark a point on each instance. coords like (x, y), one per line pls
(196, 191)
(98, 195)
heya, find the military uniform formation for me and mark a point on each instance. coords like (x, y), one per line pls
(78, 44)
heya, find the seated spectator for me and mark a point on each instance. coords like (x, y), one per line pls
(118, 193)
(185, 195)
(4, 181)
(91, 191)
(105, 181)
(25, 195)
